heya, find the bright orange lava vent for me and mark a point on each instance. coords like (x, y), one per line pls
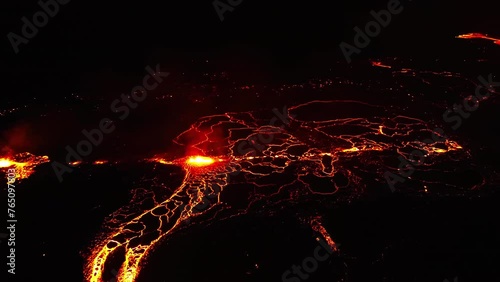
(6, 163)
(24, 163)
(199, 161)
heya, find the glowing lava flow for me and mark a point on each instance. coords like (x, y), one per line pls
(24, 163)
(321, 146)
(478, 36)
(137, 238)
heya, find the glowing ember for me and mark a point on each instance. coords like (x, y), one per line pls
(380, 64)
(200, 161)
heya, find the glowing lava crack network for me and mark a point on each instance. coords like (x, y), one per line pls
(323, 142)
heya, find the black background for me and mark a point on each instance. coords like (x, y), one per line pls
(88, 44)
(280, 37)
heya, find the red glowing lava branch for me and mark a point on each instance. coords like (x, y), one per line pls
(279, 171)
(380, 64)
(316, 225)
(478, 36)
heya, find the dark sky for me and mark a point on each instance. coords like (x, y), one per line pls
(127, 35)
